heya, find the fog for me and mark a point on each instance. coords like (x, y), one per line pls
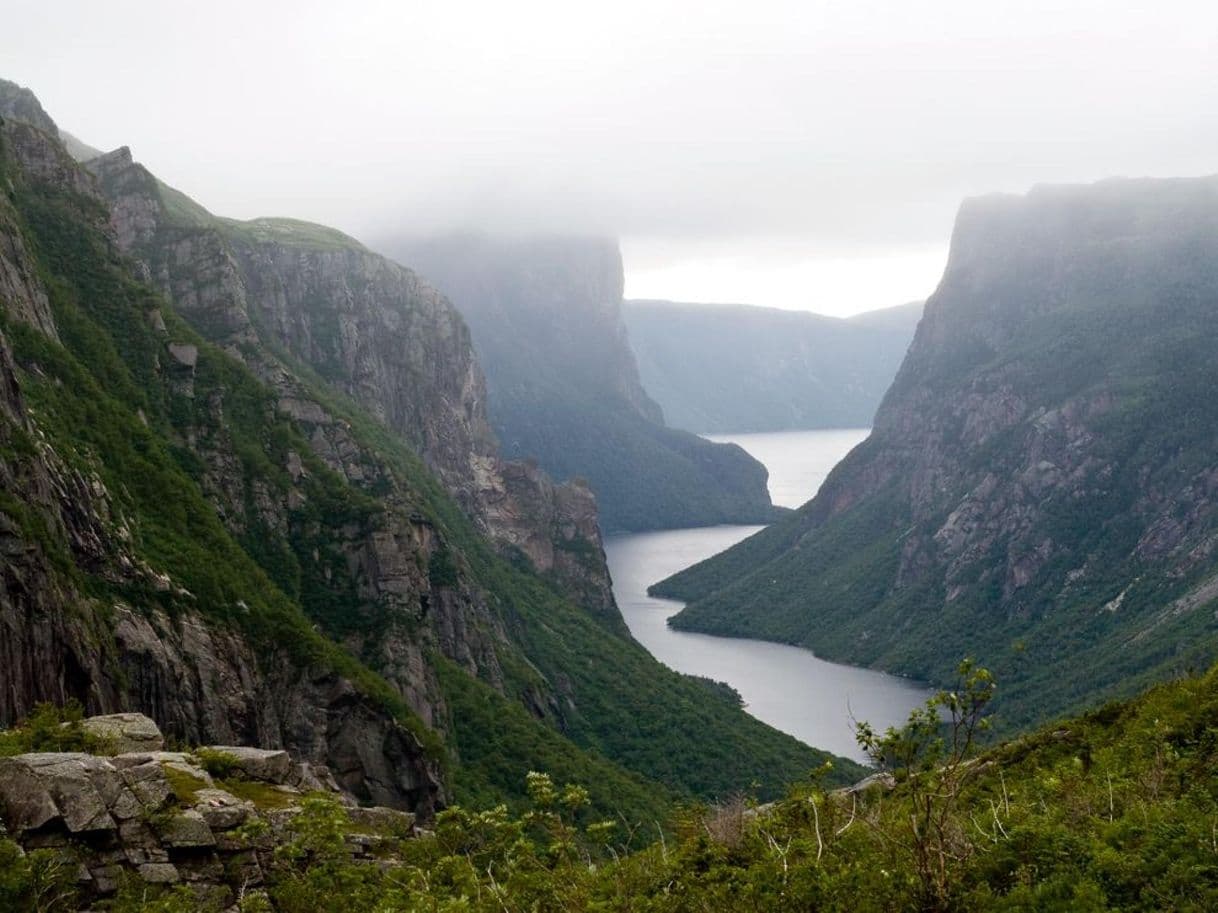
(799, 154)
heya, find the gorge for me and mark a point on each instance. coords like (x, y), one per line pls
(788, 687)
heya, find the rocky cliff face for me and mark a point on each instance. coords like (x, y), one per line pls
(19, 103)
(201, 680)
(281, 295)
(546, 315)
(1040, 488)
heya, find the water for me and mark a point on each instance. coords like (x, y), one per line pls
(788, 687)
(798, 461)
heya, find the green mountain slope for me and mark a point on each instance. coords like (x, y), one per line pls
(733, 368)
(179, 542)
(1039, 488)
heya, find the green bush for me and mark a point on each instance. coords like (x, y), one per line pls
(51, 728)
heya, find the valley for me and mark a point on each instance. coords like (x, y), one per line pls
(474, 460)
(787, 687)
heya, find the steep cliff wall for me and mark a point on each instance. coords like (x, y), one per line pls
(77, 558)
(1040, 489)
(546, 314)
(289, 296)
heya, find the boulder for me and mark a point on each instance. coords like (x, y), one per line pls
(179, 761)
(24, 799)
(311, 778)
(148, 783)
(77, 788)
(106, 878)
(268, 765)
(184, 354)
(159, 873)
(185, 831)
(222, 810)
(126, 732)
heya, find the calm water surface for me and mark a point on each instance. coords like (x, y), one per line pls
(787, 687)
(798, 461)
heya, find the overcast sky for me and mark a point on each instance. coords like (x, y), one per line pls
(798, 154)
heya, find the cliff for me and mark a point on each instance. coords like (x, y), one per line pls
(288, 296)
(77, 555)
(735, 368)
(546, 317)
(1039, 489)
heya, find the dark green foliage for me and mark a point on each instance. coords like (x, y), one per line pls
(42, 881)
(1113, 811)
(489, 734)
(51, 728)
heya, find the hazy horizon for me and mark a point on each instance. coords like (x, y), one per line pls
(799, 155)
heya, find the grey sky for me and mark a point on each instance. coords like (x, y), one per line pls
(801, 154)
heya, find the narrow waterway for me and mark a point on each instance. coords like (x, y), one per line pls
(788, 687)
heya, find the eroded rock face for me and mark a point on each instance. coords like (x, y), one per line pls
(554, 526)
(122, 816)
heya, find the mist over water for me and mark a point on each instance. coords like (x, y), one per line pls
(788, 687)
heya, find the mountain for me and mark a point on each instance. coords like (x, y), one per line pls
(546, 316)
(900, 318)
(247, 487)
(1039, 489)
(733, 368)
(287, 297)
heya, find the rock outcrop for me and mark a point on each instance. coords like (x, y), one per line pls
(162, 818)
(1040, 489)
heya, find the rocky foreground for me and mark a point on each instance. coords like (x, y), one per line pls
(209, 817)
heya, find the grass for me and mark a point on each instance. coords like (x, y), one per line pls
(185, 786)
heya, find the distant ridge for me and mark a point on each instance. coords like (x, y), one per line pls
(739, 368)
